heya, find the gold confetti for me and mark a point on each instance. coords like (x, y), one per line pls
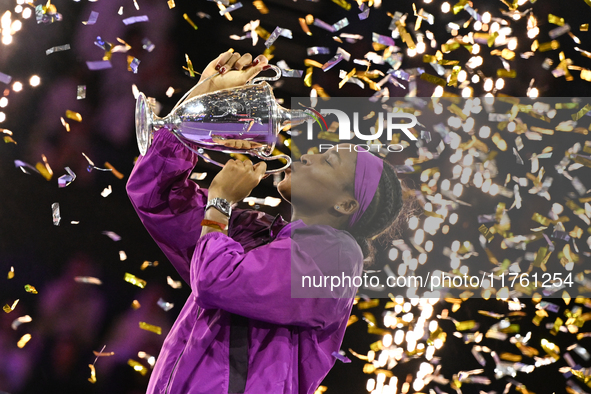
(433, 79)
(137, 367)
(190, 21)
(486, 232)
(23, 341)
(103, 354)
(11, 273)
(189, 67)
(73, 115)
(150, 327)
(581, 112)
(347, 77)
(114, 171)
(171, 4)
(30, 289)
(465, 325)
(134, 280)
(343, 3)
(92, 378)
(584, 26)
(65, 124)
(259, 5)
(7, 308)
(549, 46)
(555, 20)
(135, 304)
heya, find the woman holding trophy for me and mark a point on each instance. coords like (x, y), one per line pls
(249, 325)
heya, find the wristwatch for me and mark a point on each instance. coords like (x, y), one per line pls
(221, 205)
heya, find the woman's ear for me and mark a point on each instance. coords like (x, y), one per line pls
(347, 207)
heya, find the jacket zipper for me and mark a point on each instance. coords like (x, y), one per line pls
(174, 369)
(177, 361)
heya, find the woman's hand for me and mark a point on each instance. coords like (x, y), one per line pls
(235, 70)
(236, 180)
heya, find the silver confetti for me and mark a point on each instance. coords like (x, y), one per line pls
(341, 24)
(317, 51)
(115, 237)
(147, 45)
(231, 8)
(5, 78)
(175, 284)
(165, 305)
(92, 18)
(81, 92)
(55, 210)
(332, 62)
(58, 48)
(66, 179)
(135, 19)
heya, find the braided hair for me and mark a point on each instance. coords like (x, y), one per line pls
(380, 219)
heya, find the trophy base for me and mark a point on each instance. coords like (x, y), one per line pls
(143, 123)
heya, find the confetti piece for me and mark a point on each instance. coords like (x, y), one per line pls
(341, 357)
(132, 64)
(91, 165)
(320, 23)
(151, 328)
(92, 378)
(135, 19)
(148, 45)
(134, 280)
(276, 33)
(259, 5)
(103, 354)
(99, 65)
(175, 284)
(189, 66)
(136, 305)
(66, 179)
(55, 211)
(332, 62)
(137, 367)
(30, 289)
(9, 308)
(292, 73)
(115, 237)
(80, 92)
(171, 4)
(340, 24)
(11, 273)
(91, 19)
(88, 279)
(165, 305)
(107, 191)
(122, 255)
(23, 341)
(147, 264)
(20, 320)
(231, 8)
(5, 78)
(59, 48)
(190, 21)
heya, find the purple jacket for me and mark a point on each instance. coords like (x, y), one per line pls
(240, 330)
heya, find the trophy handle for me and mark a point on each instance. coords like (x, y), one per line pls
(261, 79)
(252, 152)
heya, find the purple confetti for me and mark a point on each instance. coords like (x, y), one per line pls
(340, 357)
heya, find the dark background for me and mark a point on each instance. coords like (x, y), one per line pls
(70, 319)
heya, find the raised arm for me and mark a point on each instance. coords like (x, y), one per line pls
(169, 205)
(259, 284)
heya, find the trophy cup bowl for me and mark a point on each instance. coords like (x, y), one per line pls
(216, 120)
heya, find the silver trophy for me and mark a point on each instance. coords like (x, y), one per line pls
(214, 120)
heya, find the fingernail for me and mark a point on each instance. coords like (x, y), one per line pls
(256, 61)
(223, 70)
(217, 67)
(268, 66)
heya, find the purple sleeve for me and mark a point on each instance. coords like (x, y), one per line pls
(169, 205)
(258, 284)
